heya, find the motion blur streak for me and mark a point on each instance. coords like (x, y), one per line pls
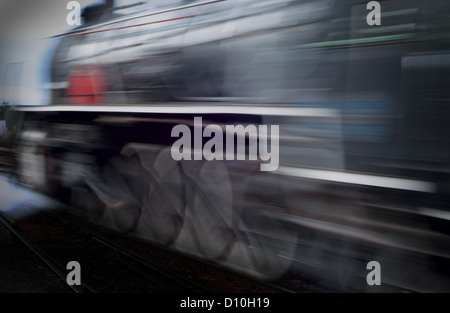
(363, 114)
(17, 202)
(175, 108)
(351, 178)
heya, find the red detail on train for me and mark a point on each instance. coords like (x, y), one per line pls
(86, 85)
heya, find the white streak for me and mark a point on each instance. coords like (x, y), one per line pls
(358, 179)
(187, 109)
(444, 215)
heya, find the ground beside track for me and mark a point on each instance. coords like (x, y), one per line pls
(22, 272)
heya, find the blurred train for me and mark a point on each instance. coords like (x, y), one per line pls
(363, 114)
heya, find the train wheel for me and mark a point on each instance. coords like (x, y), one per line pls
(163, 198)
(265, 246)
(210, 207)
(115, 194)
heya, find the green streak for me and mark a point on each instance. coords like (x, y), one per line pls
(355, 41)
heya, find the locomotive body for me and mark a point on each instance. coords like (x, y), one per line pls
(363, 141)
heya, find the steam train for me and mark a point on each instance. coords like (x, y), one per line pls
(363, 146)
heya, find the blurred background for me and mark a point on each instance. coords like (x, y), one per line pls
(24, 29)
(363, 114)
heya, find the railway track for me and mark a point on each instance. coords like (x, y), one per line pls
(112, 264)
(44, 257)
(103, 264)
(181, 267)
(198, 274)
